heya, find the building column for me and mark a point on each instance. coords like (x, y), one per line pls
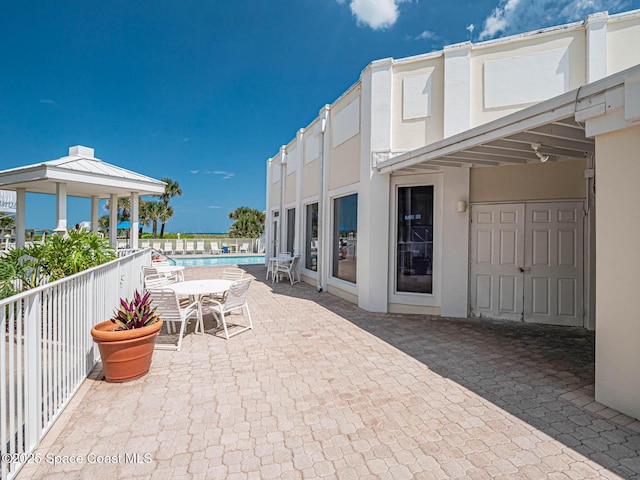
(457, 88)
(299, 235)
(134, 220)
(373, 197)
(113, 221)
(94, 213)
(282, 222)
(21, 216)
(61, 208)
(596, 31)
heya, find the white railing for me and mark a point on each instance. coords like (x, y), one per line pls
(47, 350)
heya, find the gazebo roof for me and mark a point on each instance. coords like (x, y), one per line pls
(83, 174)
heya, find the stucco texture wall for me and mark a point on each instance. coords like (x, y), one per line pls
(573, 41)
(290, 188)
(535, 181)
(274, 195)
(310, 181)
(415, 133)
(617, 262)
(622, 45)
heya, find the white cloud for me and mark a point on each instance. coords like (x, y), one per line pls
(470, 28)
(194, 171)
(214, 206)
(185, 139)
(48, 101)
(225, 175)
(426, 35)
(516, 16)
(376, 14)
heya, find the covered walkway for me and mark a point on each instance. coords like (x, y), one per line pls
(322, 388)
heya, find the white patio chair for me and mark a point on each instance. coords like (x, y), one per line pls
(233, 274)
(215, 249)
(157, 280)
(290, 269)
(169, 309)
(147, 270)
(189, 248)
(179, 246)
(157, 246)
(200, 246)
(244, 248)
(236, 299)
(168, 247)
(145, 244)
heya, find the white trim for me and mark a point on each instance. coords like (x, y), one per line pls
(433, 299)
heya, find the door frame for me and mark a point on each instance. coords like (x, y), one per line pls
(588, 253)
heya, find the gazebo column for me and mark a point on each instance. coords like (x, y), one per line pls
(113, 220)
(20, 216)
(61, 208)
(133, 223)
(94, 213)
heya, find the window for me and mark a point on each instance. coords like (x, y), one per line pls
(415, 240)
(345, 237)
(291, 229)
(311, 238)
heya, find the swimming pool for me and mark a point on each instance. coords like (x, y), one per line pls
(220, 260)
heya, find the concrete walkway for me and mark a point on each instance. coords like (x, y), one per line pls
(322, 389)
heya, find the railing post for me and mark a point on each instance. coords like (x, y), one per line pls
(33, 370)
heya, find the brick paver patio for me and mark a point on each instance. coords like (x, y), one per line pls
(322, 389)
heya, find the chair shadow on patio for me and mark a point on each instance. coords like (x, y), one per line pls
(543, 375)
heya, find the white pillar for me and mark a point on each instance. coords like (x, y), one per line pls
(596, 31)
(113, 220)
(299, 235)
(268, 234)
(454, 271)
(457, 88)
(21, 216)
(94, 214)
(133, 236)
(282, 223)
(61, 208)
(373, 197)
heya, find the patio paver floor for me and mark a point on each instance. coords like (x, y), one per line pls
(321, 388)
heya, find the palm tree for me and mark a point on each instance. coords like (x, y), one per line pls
(154, 211)
(143, 215)
(249, 223)
(171, 189)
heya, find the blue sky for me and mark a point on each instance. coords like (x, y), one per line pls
(205, 92)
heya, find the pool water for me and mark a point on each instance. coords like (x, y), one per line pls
(220, 260)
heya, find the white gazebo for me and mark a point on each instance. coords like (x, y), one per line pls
(79, 174)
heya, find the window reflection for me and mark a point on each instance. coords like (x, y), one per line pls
(311, 237)
(345, 237)
(415, 240)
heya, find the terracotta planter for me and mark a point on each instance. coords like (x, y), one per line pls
(126, 354)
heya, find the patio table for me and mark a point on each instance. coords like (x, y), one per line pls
(196, 289)
(274, 262)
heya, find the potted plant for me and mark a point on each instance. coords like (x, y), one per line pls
(126, 341)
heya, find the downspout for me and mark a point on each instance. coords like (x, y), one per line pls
(281, 215)
(321, 284)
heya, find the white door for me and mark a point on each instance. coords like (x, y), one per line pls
(497, 255)
(527, 262)
(553, 277)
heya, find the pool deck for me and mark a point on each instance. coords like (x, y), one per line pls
(322, 389)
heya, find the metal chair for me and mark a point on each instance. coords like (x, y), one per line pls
(236, 299)
(233, 274)
(169, 309)
(290, 269)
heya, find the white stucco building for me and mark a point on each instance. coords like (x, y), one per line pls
(463, 182)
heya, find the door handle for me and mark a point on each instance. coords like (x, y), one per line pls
(524, 269)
